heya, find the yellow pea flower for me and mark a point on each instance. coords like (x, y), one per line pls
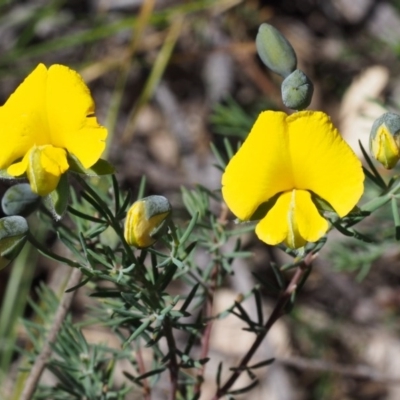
(284, 160)
(50, 115)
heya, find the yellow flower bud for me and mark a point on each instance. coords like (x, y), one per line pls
(145, 220)
(384, 140)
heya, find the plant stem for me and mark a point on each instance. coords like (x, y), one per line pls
(277, 312)
(42, 358)
(205, 340)
(173, 363)
(48, 253)
(142, 370)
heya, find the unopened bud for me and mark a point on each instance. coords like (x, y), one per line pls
(384, 139)
(297, 90)
(19, 200)
(275, 51)
(145, 221)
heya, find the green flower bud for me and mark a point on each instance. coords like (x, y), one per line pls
(297, 90)
(384, 139)
(275, 51)
(19, 200)
(145, 221)
(13, 234)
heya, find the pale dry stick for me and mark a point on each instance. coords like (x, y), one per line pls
(277, 312)
(351, 371)
(42, 358)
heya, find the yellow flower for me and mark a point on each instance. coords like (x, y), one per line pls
(50, 115)
(283, 162)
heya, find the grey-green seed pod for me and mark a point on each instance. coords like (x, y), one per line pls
(275, 51)
(19, 200)
(297, 90)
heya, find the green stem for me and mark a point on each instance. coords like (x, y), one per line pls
(378, 202)
(48, 253)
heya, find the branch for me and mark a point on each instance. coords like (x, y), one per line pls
(173, 363)
(352, 371)
(142, 370)
(205, 340)
(277, 312)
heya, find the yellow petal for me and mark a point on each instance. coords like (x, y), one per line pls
(19, 168)
(293, 219)
(323, 162)
(261, 168)
(44, 166)
(70, 110)
(23, 120)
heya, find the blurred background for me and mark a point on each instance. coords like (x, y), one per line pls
(171, 76)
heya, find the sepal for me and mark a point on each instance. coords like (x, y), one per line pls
(100, 168)
(57, 201)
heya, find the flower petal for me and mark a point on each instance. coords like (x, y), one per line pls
(261, 168)
(323, 162)
(70, 110)
(44, 166)
(293, 219)
(23, 121)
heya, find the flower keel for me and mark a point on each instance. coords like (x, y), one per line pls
(43, 166)
(293, 219)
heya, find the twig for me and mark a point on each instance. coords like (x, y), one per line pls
(142, 370)
(173, 363)
(41, 360)
(352, 371)
(277, 312)
(205, 340)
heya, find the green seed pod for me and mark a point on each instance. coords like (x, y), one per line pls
(145, 221)
(19, 200)
(297, 90)
(13, 234)
(384, 141)
(275, 51)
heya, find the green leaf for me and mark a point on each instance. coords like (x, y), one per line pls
(100, 168)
